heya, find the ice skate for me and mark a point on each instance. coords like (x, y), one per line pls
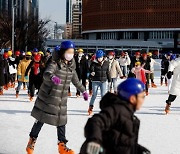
(31, 99)
(30, 146)
(167, 108)
(161, 83)
(6, 87)
(90, 110)
(17, 94)
(62, 148)
(13, 85)
(77, 95)
(166, 84)
(1, 92)
(24, 87)
(147, 93)
(90, 93)
(153, 85)
(69, 94)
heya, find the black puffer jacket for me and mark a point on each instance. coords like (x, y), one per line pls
(115, 127)
(146, 63)
(51, 104)
(81, 67)
(101, 71)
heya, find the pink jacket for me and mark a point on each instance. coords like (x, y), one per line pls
(140, 73)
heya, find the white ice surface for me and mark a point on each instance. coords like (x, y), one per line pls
(158, 132)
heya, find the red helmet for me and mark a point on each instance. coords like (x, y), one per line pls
(112, 53)
(122, 53)
(144, 55)
(5, 55)
(37, 57)
(17, 53)
(137, 53)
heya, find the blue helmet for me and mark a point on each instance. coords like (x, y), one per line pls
(99, 54)
(173, 57)
(67, 45)
(35, 50)
(57, 48)
(130, 87)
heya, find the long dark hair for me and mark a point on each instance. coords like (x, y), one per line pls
(58, 55)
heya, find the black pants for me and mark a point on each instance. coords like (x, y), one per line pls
(83, 83)
(171, 98)
(146, 86)
(12, 77)
(163, 74)
(61, 130)
(90, 84)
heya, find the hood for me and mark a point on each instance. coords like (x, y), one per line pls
(110, 99)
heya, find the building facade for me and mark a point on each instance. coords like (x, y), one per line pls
(144, 20)
(23, 8)
(68, 11)
(77, 20)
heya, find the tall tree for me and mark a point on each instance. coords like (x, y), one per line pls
(31, 33)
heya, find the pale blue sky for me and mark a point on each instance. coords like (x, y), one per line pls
(53, 9)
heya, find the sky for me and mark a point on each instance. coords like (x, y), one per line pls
(55, 10)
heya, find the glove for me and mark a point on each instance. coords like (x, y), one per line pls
(19, 76)
(94, 148)
(142, 150)
(26, 77)
(85, 95)
(93, 74)
(56, 80)
(169, 74)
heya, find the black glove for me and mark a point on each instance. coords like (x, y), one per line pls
(142, 150)
(169, 74)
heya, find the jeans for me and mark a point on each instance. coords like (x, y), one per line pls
(20, 84)
(61, 130)
(124, 70)
(113, 84)
(95, 86)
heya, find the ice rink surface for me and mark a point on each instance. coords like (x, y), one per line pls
(158, 132)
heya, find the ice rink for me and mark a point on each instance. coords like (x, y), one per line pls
(158, 132)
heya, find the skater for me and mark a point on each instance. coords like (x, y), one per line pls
(174, 73)
(17, 57)
(100, 74)
(151, 75)
(2, 80)
(140, 74)
(51, 104)
(21, 72)
(115, 129)
(173, 57)
(134, 59)
(34, 76)
(6, 70)
(12, 70)
(145, 63)
(81, 68)
(124, 62)
(164, 68)
(114, 72)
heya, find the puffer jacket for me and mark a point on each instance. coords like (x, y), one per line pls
(101, 71)
(124, 61)
(22, 70)
(51, 104)
(175, 68)
(114, 69)
(115, 128)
